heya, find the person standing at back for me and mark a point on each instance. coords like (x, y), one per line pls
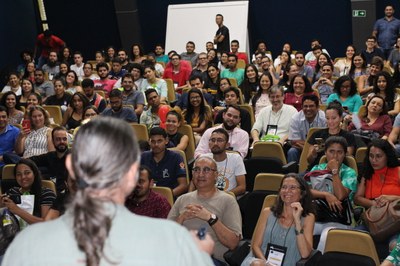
(221, 38)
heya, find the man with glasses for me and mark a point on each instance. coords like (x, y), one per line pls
(231, 170)
(201, 67)
(117, 110)
(268, 67)
(232, 71)
(178, 72)
(208, 207)
(371, 50)
(275, 118)
(167, 166)
(94, 98)
(238, 138)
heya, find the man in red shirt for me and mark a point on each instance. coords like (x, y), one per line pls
(178, 73)
(144, 201)
(47, 42)
(235, 50)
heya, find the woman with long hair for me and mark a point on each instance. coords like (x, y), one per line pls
(175, 138)
(261, 98)
(197, 115)
(346, 94)
(93, 230)
(73, 116)
(358, 66)
(299, 86)
(289, 223)
(27, 88)
(284, 59)
(137, 53)
(384, 87)
(344, 64)
(64, 69)
(379, 183)
(250, 83)
(29, 72)
(60, 97)
(322, 59)
(110, 54)
(152, 82)
(66, 56)
(375, 118)
(35, 137)
(14, 113)
(29, 182)
(13, 84)
(72, 83)
(333, 115)
(324, 85)
(365, 83)
(223, 61)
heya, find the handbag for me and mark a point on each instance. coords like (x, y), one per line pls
(321, 180)
(383, 222)
(9, 227)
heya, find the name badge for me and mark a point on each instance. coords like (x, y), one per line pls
(275, 254)
(272, 129)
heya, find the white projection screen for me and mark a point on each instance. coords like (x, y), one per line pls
(196, 22)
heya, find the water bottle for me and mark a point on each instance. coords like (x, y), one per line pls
(6, 218)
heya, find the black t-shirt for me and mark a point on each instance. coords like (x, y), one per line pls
(53, 100)
(174, 140)
(324, 134)
(223, 46)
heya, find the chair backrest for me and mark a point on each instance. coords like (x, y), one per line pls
(256, 165)
(8, 171)
(171, 89)
(266, 181)
(360, 154)
(241, 63)
(141, 131)
(54, 112)
(269, 149)
(303, 164)
(188, 131)
(183, 155)
(166, 192)
(233, 82)
(249, 109)
(269, 201)
(101, 93)
(50, 185)
(351, 162)
(351, 241)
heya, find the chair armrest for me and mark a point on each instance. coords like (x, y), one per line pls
(291, 167)
(311, 260)
(235, 257)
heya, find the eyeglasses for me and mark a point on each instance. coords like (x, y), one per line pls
(291, 188)
(206, 170)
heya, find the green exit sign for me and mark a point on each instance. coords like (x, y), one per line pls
(359, 13)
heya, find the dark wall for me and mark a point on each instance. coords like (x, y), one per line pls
(85, 25)
(17, 32)
(298, 22)
(380, 8)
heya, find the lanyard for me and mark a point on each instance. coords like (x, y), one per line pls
(287, 232)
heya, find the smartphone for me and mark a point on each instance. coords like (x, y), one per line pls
(320, 142)
(15, 198)
(26, 123)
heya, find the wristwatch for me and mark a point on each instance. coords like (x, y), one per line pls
(299, 232)
(213, 219)
(334, 171)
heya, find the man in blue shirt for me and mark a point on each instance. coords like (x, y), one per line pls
(8, 135)
(117, 110)
(386, 30)
(167, 166)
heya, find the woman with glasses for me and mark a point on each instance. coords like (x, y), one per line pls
(288, 225)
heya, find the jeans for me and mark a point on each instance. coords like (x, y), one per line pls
(293, 155)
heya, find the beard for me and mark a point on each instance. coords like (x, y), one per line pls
(228, 127)
(61, 148)
(52, 63)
